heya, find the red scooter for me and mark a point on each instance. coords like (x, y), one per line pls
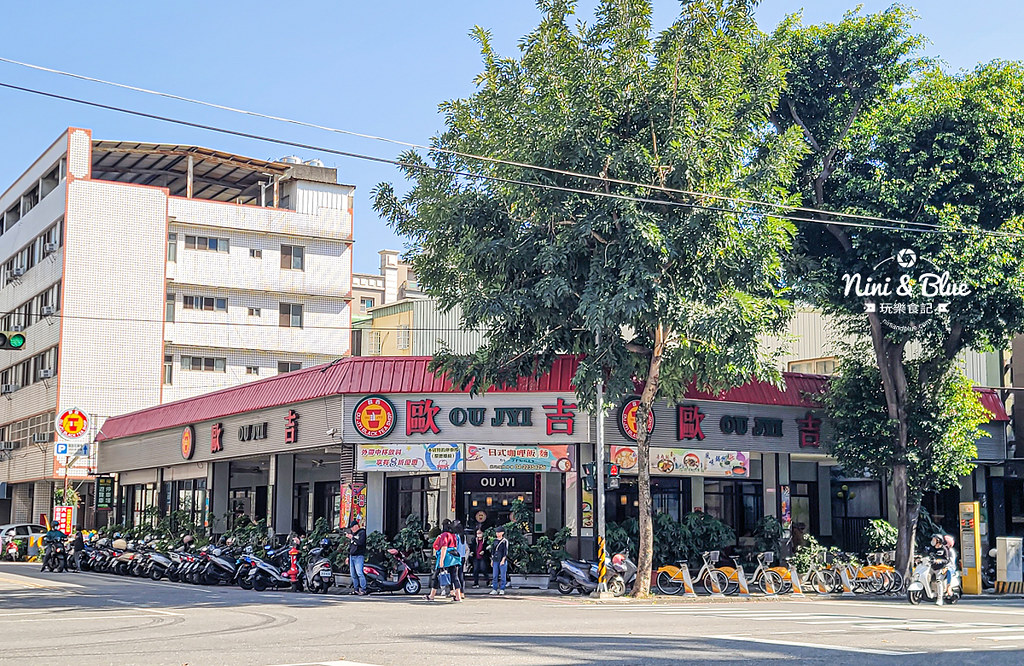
(378, 581)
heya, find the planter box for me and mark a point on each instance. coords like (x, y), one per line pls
(536, 581)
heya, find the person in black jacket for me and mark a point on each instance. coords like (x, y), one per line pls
(478, 555)
(78, 548)
(357, 557)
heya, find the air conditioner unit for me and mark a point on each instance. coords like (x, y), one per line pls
(41, 438)
(49, 248)
(18, 271)
(46, 373)
(8, 446)
(8, 388)
(18, 328)
(47, 310)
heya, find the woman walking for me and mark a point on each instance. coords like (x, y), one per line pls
(462, 550)
(446, 561)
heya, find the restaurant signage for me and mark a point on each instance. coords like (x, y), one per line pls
(374, 417)
(685, 462)
(518, 458)
(627, 419)
(409, 457)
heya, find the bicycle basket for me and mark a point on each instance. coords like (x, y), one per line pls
(769, 557)
(715, 556)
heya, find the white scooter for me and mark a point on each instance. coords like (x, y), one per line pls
(928, 583)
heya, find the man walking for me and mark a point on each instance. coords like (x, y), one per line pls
(357, 557)
(499, 561)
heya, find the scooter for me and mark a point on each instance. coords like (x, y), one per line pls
(405, 580)
(12, 551)
(220, 566)
(582, 575)
(929, 583)
(265, 574)
(55, 556)
(317, 575)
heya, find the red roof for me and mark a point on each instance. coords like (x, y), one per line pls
(991, 401)
(409, 374)
(798, 390)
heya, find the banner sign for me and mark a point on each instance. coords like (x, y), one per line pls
(685, 462)
(64, 518)
(518, 458)
(409, 457)
(104, 493)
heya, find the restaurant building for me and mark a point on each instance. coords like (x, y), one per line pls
(384, 438)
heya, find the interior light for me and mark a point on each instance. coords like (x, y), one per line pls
(489, 500)
(623, 499)
(475, 503)
(504, 502)
(520, 498)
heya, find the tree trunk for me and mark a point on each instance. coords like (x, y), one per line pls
(645, 559)
(906, 519)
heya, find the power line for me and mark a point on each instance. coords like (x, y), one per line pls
(916, 228)
(484, 158)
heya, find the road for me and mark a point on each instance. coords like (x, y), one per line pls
(102, 619)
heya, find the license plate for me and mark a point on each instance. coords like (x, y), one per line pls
(326, 574)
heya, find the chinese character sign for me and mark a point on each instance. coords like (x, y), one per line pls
(419, 417)
(810, 431)
(561, 417)
(216, 438)
(690, 417)
(291, 427)
(409, 457)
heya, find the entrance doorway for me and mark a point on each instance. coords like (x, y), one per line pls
(487, 499)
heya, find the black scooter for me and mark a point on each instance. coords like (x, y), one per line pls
(582, 575)
(55, 556)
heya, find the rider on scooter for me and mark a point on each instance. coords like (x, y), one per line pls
(942, 559)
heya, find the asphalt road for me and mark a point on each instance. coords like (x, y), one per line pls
(102, 619)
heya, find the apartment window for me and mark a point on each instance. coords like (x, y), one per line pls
(293, 257)
(288, 366)
(168, 369)
(404, 337)
(291, 315)
(169, 308)
(254, 312)
(820, 366)
(206, 243)
(207, 303)
(204, 363)
(255, 253)
(172, 247)
(375, 343)
(365, 304)
(252, 369)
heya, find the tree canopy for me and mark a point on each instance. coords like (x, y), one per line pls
(679, 286)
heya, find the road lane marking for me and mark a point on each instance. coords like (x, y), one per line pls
(812, 646)
(972, 630)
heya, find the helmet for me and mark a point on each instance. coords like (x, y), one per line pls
(325, 542)
(187, 539)
(949, 540)
(230, 541)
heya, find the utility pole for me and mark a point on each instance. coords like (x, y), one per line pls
(602, 585)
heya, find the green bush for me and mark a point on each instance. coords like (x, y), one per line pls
(673, 541)
(880, 536)
(768, 535)
(411, 542)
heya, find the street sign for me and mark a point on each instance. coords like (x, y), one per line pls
(61, 449)
(72, 423)
(104, 493)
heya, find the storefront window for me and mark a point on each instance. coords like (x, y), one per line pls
(740, 504)
(668, 495)
(412, 495)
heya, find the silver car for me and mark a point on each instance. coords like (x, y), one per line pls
(19, 531)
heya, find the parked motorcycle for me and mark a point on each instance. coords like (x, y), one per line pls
(12, 551)
(219, 566)
(405, 579)
(271, 570)
(582, 575)
(928, 581)
(317, 575)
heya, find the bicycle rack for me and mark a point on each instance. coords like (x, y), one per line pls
(716, 591)
(741, 578)
(687, 581)
(794, 580)
(769, 589)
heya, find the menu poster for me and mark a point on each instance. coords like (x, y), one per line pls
(685, 462)
(519, 458)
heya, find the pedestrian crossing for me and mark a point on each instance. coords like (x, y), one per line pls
(987, 635)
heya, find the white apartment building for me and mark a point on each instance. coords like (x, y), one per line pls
(148, 273)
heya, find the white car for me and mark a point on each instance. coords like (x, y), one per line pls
(19, 531)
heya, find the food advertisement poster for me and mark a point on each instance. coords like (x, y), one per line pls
(786, 507)
(519, 458)
(409, 457)
(685, 462)
(588, 509)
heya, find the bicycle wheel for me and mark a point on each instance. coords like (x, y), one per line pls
(721, 580)
(823, 582)
(668, 583)
(898, 583)
(776, 582)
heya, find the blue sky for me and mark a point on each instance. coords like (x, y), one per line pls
(378, 67)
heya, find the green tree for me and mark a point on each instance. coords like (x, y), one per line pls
(894, 137)
(943, 425)
(676, 287)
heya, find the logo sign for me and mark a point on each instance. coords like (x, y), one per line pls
(627, 419)
(72, 423)
(906, 289)
(188, 442)
(374, 417)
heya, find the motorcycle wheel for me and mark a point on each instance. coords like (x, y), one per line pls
(914, 596)
(259, 584)
(155, 574)
(315, 586)
(172, 575)
(617, 587)
(955, 597)
(412, 586)
(565, 588)
(245, 583)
